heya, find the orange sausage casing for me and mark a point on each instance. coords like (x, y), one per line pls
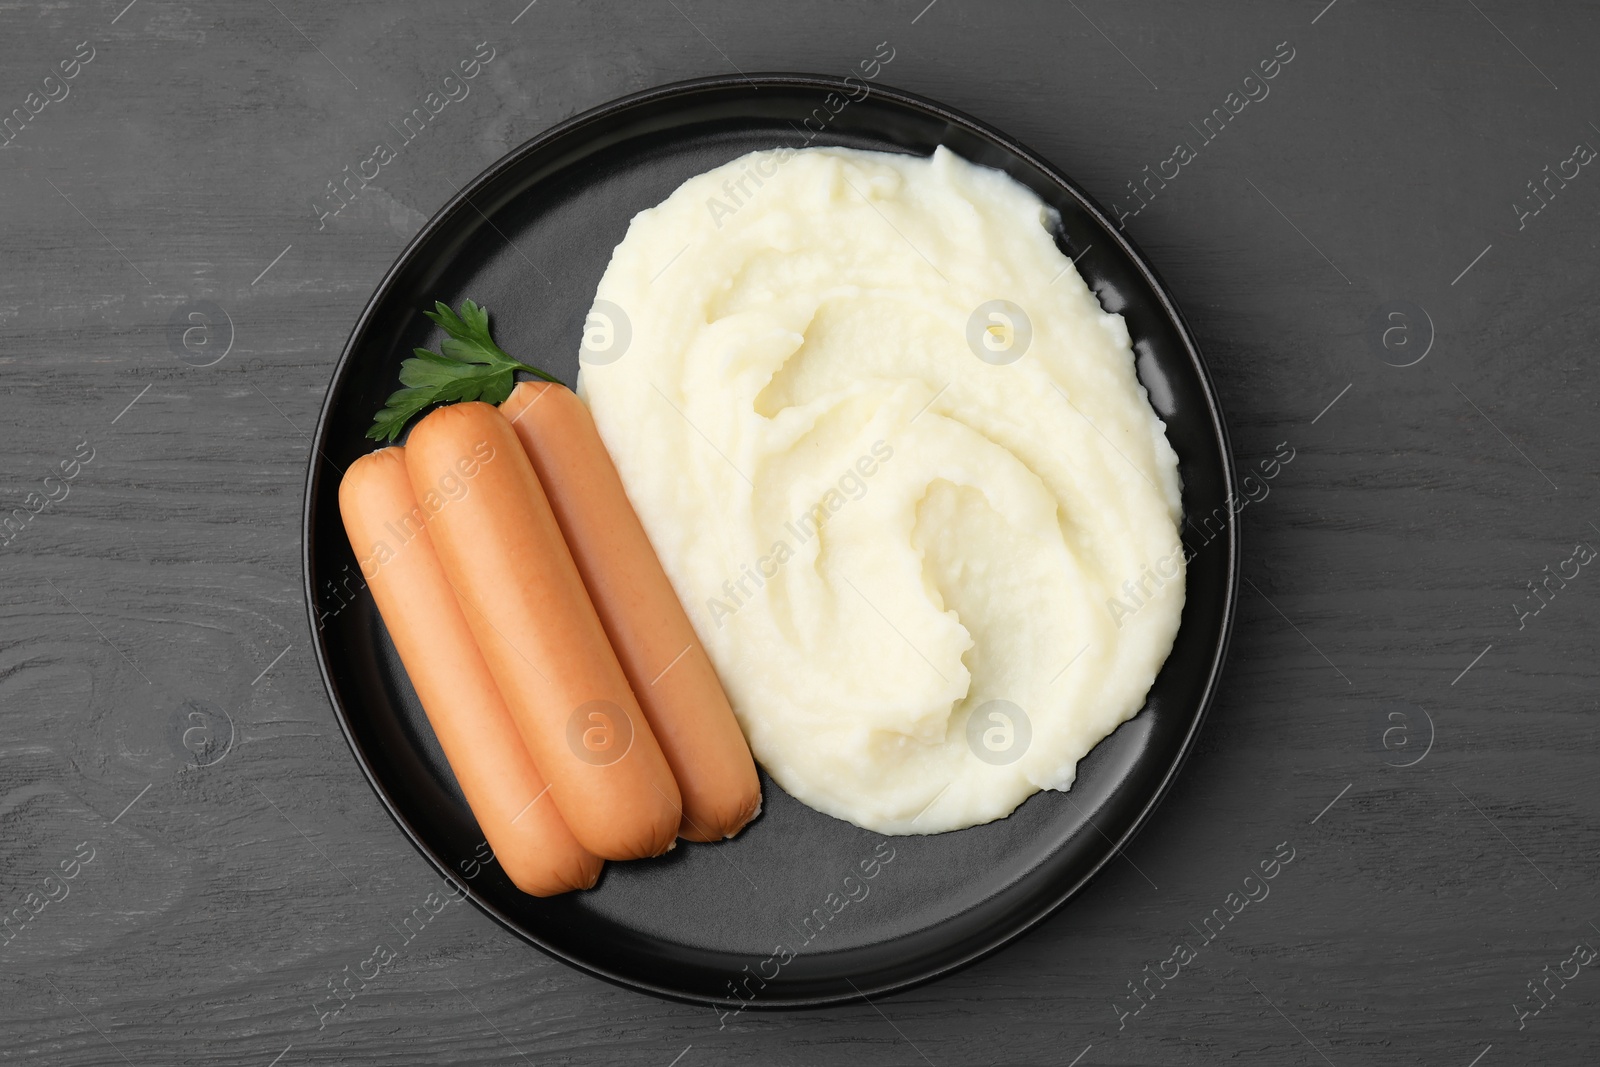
(502, 785)
(653, 638)
(503, 552)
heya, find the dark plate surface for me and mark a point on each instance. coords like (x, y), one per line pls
(765, 920)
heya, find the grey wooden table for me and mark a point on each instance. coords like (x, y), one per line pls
(1387, 251)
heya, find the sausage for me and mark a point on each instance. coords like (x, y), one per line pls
(653, 638)
(502, 785)
(502, 550)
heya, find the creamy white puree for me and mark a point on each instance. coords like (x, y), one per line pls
(783, 345)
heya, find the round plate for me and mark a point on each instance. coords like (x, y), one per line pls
(767, 919)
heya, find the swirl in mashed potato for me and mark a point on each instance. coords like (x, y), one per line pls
(898, 466)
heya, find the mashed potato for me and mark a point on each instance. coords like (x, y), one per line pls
(897, 464)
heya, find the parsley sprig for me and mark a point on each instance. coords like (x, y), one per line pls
(469, 366)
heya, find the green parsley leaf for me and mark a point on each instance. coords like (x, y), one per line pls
(468, 366)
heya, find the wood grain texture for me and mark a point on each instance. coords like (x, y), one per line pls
(140, 610)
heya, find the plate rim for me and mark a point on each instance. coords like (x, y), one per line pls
(1206, 695)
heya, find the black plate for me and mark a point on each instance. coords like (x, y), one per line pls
(529, 239)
